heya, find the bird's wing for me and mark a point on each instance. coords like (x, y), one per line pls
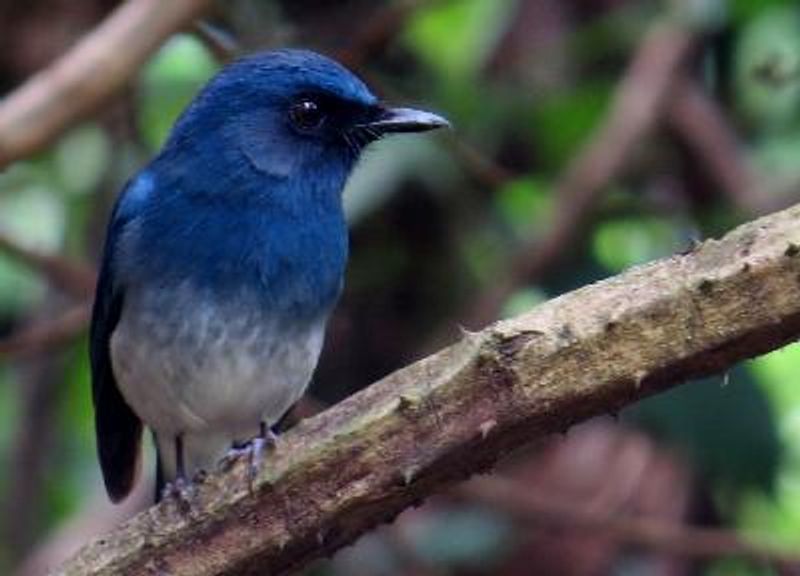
(118, 429)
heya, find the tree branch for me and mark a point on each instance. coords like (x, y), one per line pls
(73, 278)
(453, 414)
(698, 120)
(46, 335)
(88, 74)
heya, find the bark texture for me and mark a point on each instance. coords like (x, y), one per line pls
(453, 414)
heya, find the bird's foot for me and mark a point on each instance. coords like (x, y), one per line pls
(254, 451)
(181, 491)
(259, 445)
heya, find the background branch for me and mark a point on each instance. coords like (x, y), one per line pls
(455, 413)
(699, 121)
(101, 64)
(71, 277)
(44, 335)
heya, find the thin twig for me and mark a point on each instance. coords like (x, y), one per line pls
(698, 120)
(222, 45)
(71, 277)
(45, 335)
(480, 167)
(78, 83)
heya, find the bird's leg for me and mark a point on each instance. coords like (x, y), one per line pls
(267, 435)
(266, 439)
(253, 450)
(180, 487)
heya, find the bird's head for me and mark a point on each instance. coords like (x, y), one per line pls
(289, 113)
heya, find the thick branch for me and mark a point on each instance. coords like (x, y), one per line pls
(453, 414)
(95, 69)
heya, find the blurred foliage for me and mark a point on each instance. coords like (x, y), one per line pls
(429, 235)
(168, 83)
(464, 538)
(733, 456)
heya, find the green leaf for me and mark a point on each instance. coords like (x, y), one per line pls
(81, 158)
(523, 301)
(746, 10)
(169, 82)
(777, 373)
(727, 430)
(767, 70)
(778, 155)
(76, 445)
(454, 38)
(737, 567)
(32, 215)
(624, 242)
(562, 123)
(483, 253)
(524, 204)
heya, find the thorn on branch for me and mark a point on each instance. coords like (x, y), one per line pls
(409, 475)
(405, 403)
(486, 427)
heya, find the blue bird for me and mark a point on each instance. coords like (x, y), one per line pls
(223, 259)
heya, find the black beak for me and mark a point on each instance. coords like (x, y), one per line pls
(397, 120)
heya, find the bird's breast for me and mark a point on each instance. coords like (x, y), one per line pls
(224, 311)
(188, 361)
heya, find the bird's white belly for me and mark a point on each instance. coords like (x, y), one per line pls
(189, 365)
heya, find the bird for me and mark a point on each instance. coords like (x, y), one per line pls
(223, 259)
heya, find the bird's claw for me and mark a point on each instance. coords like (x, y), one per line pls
(254, 452)
(181, 491)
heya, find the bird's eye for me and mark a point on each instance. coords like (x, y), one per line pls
(306, 114)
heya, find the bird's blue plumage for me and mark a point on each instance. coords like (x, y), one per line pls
(224, 258)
